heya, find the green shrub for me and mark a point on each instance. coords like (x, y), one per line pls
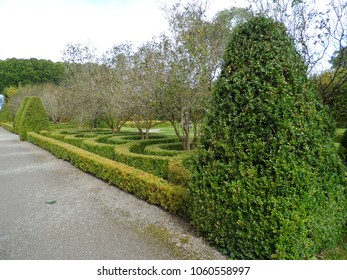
(33, 117)
(178, 173)
(5, 114)
(156, 165)
(267, 182)
(166, 167)
(343, 146)
(142, 184)
(344, 139)
(161, 149)
(7, 126)
(19, 114)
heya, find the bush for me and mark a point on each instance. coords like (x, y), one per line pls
(344, 139)
(7, 126)
(5, 114)
(167, 167)
(19, 114)
(33, 117)
(267, 181)
(142, 184)
(343, 147)
(157, 165)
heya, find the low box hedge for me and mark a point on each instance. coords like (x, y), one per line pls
(153, 164)
(7, 126)
(144, 185)
(130, 153)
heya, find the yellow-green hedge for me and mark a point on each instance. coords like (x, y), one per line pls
(144, 185)
(7, 126)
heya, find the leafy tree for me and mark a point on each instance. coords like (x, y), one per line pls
(267, 183)
(15, 72)
(339, 58)
(332, 87)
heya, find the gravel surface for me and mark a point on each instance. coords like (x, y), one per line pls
(52, 210)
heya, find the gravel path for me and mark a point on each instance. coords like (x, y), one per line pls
(51, 210)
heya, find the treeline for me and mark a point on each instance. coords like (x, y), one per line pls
(19, 72)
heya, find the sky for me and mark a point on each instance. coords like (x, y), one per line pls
(43, 28)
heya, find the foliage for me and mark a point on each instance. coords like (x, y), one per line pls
(143, 185)
(267, 182)
(5, 114)
(7, 126)
(344, 139)
(128, 149)
(15, 72)
(33, 117)
(339, 58)
(19, 115)
(332, 87)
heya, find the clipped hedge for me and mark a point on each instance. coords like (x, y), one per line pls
(153, 164)
(19, 114)
(144, 185)
(177, 172)
(168, 167)
(7, 126)
(162, 149)
(343, 147)
(32, 118)
(267, 182)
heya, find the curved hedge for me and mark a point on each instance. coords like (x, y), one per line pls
(143, 185)
(131, 152)
(267, 182)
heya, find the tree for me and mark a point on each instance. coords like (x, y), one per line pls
(83, 84)
(267, 181)
(332, 87)
(147, 78)
(118, 85)
(16, 72)
(192, 61)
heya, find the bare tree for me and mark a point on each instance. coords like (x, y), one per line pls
(193, 56)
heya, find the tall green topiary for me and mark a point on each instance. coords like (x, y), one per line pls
(33, 117)
(267, 182)
(19, 114)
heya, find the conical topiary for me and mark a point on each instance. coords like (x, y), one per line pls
(267, 182)
(19, 114)
(33, 117)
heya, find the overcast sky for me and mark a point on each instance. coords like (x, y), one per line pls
(43, 28)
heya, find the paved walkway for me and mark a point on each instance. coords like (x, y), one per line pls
(51, 210)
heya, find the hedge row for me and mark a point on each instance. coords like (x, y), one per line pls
(130, 153)
(7, 126)
(144, 185)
